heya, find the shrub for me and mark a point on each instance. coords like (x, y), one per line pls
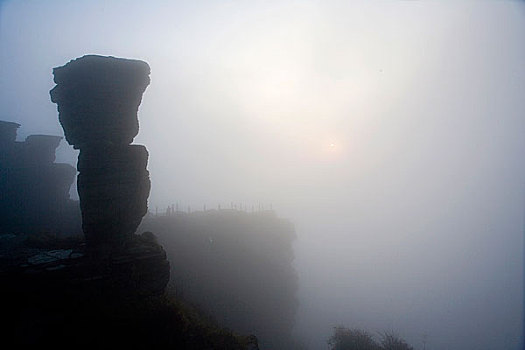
(357, 339)
(390, 341)
(352, 339)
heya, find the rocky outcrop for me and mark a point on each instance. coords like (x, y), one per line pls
(98, 98)
(108, 289)
(8, 132)
(35, 190)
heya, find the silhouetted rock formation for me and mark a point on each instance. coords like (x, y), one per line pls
(8, 132)
(98, 98)
(35, 190)
(112, 293)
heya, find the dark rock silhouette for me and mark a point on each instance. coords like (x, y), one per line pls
(8, 132)
(98, 98)
(107, 290)
(35, 190)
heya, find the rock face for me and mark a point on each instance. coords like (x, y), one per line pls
(8, 132)
(35, 189)
(109, 290)
(98, 98)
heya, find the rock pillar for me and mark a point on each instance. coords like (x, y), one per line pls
(98, 99)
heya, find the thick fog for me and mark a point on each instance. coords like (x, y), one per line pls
(391, 133)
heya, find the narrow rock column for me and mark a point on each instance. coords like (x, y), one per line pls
(98, 99)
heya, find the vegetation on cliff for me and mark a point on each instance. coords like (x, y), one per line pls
(357, 339)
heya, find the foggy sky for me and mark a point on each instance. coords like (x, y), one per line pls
(390, 133)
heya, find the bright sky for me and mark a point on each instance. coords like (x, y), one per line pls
(390, 132)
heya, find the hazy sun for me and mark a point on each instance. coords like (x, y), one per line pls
(330, 150)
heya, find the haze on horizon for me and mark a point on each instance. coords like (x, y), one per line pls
(390, 133)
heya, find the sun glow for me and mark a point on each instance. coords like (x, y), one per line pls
(330, 150)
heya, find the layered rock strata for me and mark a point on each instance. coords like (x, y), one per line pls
(66, 285)
(98, 99)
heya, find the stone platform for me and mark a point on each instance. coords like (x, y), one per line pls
(140, 270)
(46, 292)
